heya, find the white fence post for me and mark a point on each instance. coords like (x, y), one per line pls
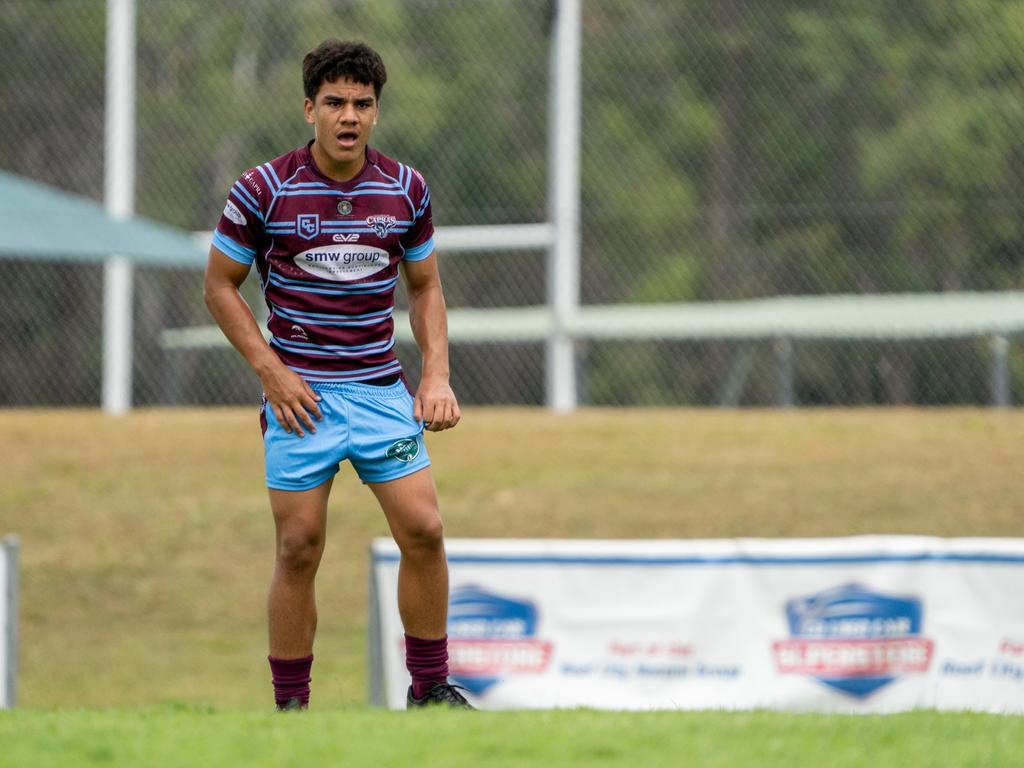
(119, 198)
(564, 197)
(8, 621)
(1000, 346)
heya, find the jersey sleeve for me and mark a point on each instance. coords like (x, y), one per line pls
(241, 226)
(418, 241)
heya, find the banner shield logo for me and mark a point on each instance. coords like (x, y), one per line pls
(854, 639)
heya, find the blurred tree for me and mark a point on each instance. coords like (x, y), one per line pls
(730, 150)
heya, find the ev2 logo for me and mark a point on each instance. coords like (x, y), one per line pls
(351, 237)
(308, 225)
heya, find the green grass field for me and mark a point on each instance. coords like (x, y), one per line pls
(574, 739)
(147, 547)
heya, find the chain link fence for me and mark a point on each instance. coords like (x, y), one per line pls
(731, 150)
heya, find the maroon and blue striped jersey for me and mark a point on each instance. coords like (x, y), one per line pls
(328, 254)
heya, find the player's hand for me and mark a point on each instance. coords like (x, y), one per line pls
(292, 399)
(435, 404)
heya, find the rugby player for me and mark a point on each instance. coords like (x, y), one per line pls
(330, 228)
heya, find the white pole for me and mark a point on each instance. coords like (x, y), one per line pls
(564, 197)
(8, 621)
(1000, 372)
(119, 198)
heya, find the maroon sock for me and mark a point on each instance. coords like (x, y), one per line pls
(291, 679)
(427, 662)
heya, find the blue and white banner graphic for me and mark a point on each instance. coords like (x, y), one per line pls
(864, 624)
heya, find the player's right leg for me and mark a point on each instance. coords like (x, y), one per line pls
(300, 471)
(300, 522)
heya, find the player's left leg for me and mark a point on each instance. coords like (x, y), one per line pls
(410, 506)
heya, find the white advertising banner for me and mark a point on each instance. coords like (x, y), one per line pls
(864, 624)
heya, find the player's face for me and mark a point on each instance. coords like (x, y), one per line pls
(342, 115)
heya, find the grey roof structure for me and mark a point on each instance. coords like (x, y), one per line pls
(41, 222)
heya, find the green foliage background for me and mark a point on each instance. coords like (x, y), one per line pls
(730, 149)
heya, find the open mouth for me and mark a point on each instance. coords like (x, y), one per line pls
(347, 139)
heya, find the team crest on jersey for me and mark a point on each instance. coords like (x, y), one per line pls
(345, 207)
(308, 225)
(382, 224)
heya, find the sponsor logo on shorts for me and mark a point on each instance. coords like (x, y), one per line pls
(853, 639)
(234, 214)
(308, 225)
(491, 636)
(404, 450)
(343, 263)
(381, 224)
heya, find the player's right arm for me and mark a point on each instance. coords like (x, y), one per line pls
(293, 401)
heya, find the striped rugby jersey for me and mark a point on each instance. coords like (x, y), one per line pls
(327, 254)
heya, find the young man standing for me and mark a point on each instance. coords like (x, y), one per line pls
(330, 228)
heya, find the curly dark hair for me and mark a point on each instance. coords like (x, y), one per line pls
(342, 58)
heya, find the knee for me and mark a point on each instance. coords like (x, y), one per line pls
(299, 551)
(423, 534)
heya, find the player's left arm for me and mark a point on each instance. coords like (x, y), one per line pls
(435, 402)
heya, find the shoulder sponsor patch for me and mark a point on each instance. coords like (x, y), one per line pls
(234, 214)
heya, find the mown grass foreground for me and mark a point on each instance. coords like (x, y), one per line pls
(175, 737)
(147, 542)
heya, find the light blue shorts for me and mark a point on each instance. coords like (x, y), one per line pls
(371, 426)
